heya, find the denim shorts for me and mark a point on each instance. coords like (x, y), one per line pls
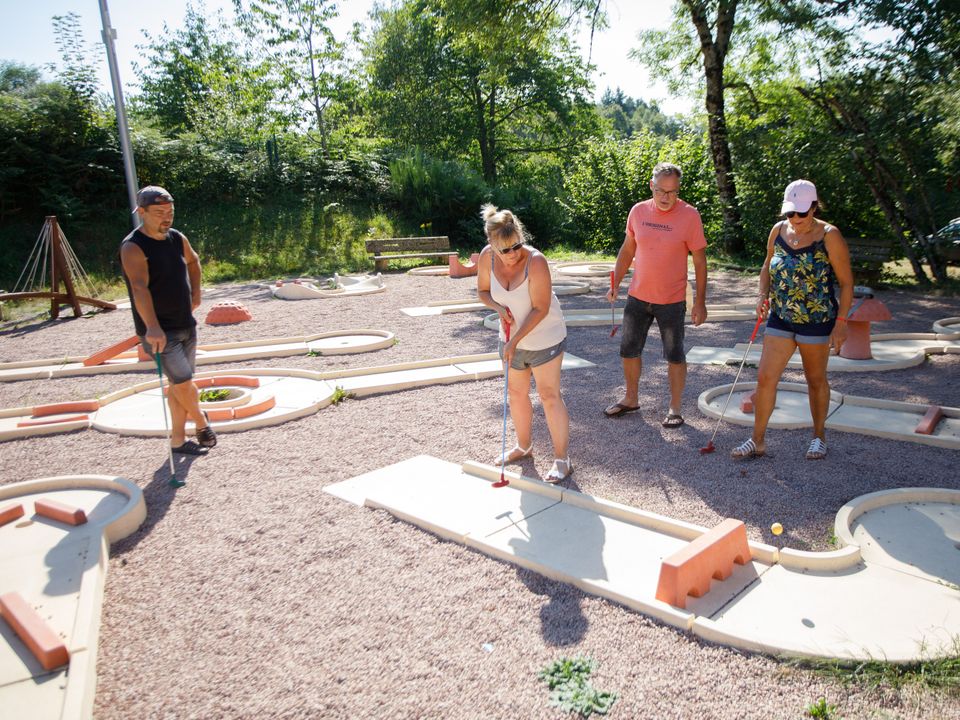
(179, 357)
(525, 359)
(800, 333)
(638, 316)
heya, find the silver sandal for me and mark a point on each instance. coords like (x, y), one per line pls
(817, 450)
(506, 458)
(556, 475)
(746, 449)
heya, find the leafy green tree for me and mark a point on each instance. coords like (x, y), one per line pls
(499, 79)
(309, 61)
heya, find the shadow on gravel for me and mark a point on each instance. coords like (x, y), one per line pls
(158, 495)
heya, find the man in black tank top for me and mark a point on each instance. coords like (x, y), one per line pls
(162, 274)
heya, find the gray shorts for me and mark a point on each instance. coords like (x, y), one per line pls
(525, 359)
(179, 357)
(638, 316)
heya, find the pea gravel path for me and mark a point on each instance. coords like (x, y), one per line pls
(253, 594)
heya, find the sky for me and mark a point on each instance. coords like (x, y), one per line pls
(26, 36)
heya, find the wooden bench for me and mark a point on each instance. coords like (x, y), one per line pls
(386, 249)
(867, 256)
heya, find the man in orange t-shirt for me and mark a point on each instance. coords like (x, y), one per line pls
(660, 233)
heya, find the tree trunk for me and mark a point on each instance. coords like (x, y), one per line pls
(714, 52)
(485, 131)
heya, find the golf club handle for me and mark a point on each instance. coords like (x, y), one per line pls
(756, 327)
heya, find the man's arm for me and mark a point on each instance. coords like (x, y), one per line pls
(192, 260)
(699, 312)
(624, 261)
(138, 274)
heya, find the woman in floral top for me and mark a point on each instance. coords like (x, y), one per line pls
(806, 259)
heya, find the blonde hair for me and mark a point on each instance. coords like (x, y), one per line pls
(502, 226)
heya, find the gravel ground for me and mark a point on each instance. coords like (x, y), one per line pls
(251, 593)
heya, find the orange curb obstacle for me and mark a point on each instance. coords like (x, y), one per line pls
(9, 513)
(66, 407)
(928, 423)
(60, 512)
(746, 405)
(710, 556)
(245, 411)
(42, 641)
(242, 380)
(459, 269)
(98, 358)
(227, 313)
(54, 421)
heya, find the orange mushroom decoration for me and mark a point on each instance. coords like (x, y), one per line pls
(857, 344)
(227, 313)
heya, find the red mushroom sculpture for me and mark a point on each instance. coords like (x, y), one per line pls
(857, 344)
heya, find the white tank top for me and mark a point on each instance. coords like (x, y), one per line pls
(548, 332)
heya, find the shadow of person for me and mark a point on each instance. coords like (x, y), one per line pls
(158, 495)
(569, 543)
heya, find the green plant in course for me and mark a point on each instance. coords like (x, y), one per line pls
(339, 395)
(821, 709)
(570, 689)
(214, 395)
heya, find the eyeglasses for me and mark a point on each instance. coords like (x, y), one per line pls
(512, 248)
(799, 214)
(665, 193)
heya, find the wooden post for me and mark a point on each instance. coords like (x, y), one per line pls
(48, 225)
(61, 259)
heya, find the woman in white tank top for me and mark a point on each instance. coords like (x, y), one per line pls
(513, 279)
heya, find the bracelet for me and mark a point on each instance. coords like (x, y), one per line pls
(840, 318)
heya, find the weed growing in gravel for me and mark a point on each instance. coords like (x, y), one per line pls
(339, 395)
(938, 674)
(214, 395)
(570, 690)
(821, 709)
(314, 353)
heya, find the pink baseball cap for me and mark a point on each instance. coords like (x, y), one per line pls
(799, 196)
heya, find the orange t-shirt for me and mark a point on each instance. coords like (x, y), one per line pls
(663, 241)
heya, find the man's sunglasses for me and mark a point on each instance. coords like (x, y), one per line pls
(512, 248)
(798, 214)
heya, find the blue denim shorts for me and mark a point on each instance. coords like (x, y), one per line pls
(638, 316)
(179, 357)
(525, 359)
(800, 333)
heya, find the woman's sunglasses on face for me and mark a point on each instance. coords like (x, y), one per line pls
(512, 248)
(798, 214)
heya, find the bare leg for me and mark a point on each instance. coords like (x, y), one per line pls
(777, 352)
(677, 375)
(547, 377)
(632, 368)
(815, 359)
(521, 409)
(184, 401)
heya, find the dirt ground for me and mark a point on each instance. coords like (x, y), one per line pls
(251, 593)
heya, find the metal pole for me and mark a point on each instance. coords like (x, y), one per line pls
(129, 168)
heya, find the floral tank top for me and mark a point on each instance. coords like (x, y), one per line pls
(801, 282)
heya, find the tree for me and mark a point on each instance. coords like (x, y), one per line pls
(308, 59)
(441, 78)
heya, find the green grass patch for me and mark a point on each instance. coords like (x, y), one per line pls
(822, 709)
(570, 689)
(339, 395)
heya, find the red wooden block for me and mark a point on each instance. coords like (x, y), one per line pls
(9, 513)
(61, 512)
(42, 641)
(928, 423)
(98, 358)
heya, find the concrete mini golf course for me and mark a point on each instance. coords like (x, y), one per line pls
(252, 592)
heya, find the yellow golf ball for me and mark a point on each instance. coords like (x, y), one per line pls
(776, 528)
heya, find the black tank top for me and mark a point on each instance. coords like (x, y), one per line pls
(169, 284)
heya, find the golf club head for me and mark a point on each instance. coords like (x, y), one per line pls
(614, 330)
(502, 482)
(708, 449)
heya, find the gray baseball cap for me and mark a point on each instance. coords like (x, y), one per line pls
(153, 195)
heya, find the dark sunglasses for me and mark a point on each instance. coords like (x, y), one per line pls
(512, 248)
(798, 214)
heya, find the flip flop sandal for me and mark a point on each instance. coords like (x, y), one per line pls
(206, 436)
(511, 458)
(672, 420)
(556, 475)
(191, 448)
(746, 449)
(619, 409)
